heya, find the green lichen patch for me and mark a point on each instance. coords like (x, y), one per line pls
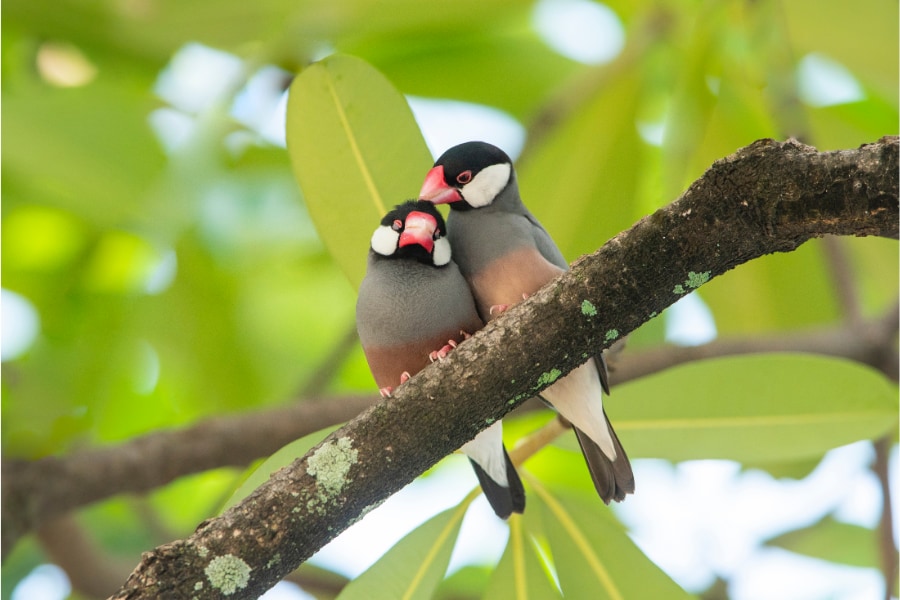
(228, 574)
(588, 309)
(549, 377)
(693, 281)
(274, 560)
(330, 465)
(611, 335)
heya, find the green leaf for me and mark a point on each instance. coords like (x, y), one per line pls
(519, 574)
(781, 291)
(594, 557)
(790, 469)
(851, 125)
(467, 582)
(762, 408)
(599, 182)
(833, 541)
(414, 567)
(259, 474)
(356, 151)
(88, 150)
(419, 60)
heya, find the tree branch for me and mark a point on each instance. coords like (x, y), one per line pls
(767, 197)
(35, 491)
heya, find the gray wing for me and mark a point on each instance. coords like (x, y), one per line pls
(545, 244)
(548, 249)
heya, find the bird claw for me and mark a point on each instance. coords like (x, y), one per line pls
(498, 308)
(388, 391)
(443, 352)
(465, 334)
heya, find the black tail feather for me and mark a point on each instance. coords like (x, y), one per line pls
(613, 479)
(505, 500)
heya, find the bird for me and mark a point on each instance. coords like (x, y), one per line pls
(413, 308)
(505, 255)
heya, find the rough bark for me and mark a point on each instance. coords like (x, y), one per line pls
(767, 197)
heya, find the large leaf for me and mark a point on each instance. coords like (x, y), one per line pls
(833, 541)
(414, 567)
(356, 151)
(520, 574)
(585, 197)
(692, 59)
(851, 125)
(781, 291)
(419, 60)
(88, 150)
(259, 474)
(762, 408)
(594, 557)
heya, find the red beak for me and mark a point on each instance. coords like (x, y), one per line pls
(436, 190)
(419, 229)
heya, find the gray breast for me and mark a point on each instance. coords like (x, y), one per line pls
(401, 301)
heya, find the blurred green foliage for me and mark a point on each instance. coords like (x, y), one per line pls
(179, 281)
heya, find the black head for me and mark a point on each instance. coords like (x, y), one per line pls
(469, 175)
(413, 230)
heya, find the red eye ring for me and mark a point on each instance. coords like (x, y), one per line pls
(397, 225)
(464, 177)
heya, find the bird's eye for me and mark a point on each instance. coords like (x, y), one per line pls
(464, 177)
(397, 225)
(437, 234)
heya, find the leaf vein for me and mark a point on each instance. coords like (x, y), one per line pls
(354, 146)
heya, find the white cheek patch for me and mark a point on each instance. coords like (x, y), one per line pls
(384, 240)
(441, 254)
(485, 186)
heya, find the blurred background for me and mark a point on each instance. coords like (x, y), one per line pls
(159, 266)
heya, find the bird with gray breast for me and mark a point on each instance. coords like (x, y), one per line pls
(505, 254)
(413, 308)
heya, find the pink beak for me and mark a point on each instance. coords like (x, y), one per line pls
(436, 190)
(419, 229)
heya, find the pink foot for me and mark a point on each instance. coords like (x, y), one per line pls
(443, 352)
(388, 392)
(498, 308)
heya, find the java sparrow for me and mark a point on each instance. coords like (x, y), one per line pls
(414, 306)
(505, 255)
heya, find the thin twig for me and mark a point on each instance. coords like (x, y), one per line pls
(843, 280)
(886, 526)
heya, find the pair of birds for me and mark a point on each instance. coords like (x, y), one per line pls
(418, 301)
